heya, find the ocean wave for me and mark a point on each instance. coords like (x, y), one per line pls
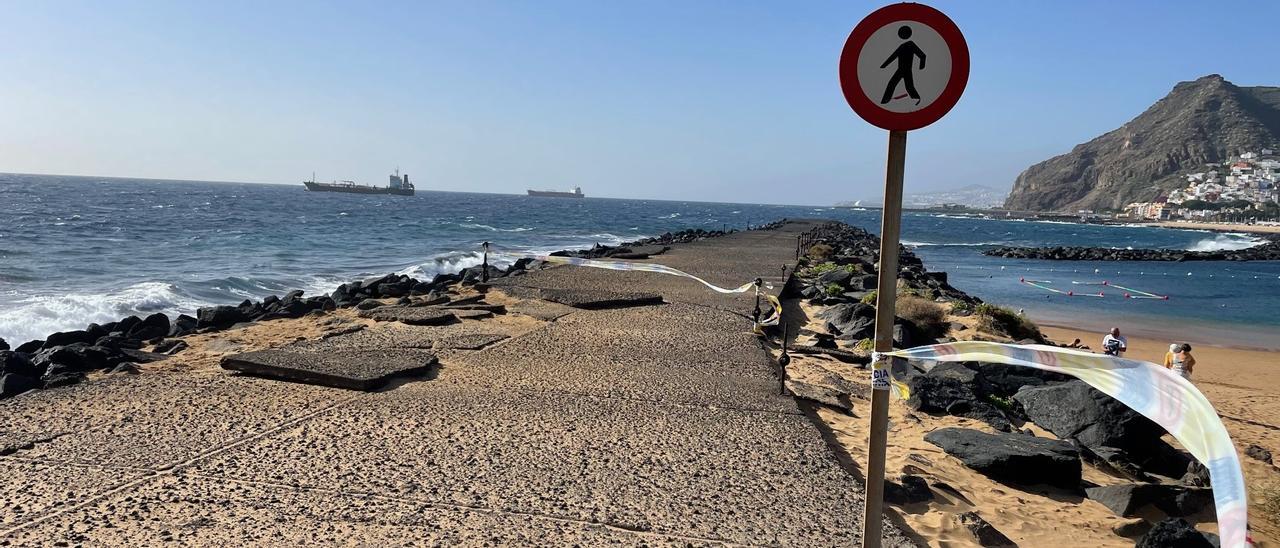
(1227, 242)
(671, 216)
(450, 263)
(606, 238)
(494, 229)
(36, 317)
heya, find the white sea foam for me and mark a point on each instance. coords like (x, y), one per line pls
(1227, 242)
(449, 263)
(671, 216)
(36, 317)
(494, 229)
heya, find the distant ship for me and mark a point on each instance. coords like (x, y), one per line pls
(399, 185)
(577, 193)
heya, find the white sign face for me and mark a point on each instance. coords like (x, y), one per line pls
(904, 66)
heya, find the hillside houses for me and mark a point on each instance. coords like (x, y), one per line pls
(1249, 181)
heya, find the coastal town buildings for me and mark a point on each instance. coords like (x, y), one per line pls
(1245, 185)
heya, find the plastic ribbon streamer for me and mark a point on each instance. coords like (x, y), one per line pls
(882, 376)
(1039, 284)
(775, 306)
(1130, 293)
(1155, 392)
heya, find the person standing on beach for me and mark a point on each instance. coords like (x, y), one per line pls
(1183, 361)
(1114, 344)
(1168, 356)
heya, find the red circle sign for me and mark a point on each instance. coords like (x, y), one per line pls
(904, 66)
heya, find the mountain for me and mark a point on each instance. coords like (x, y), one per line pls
(1203, 121)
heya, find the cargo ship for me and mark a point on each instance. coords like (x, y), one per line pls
(577, 193)
(399, 186)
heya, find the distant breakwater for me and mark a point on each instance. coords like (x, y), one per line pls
(1269, 251)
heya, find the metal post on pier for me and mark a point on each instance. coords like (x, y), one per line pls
(484, 264)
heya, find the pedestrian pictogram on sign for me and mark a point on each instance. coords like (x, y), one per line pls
(904, 66)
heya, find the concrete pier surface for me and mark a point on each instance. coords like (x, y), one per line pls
(654, 424)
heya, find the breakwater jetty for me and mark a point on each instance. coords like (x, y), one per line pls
(550, 405)
(1269, 251)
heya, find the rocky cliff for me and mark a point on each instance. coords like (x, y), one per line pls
(1203, 121)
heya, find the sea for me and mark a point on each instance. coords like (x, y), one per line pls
(75, 250)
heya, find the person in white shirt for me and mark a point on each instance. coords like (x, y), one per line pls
(1114, 344)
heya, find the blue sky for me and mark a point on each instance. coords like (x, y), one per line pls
(697, 100)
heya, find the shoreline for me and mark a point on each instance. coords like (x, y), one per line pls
(1147, 348)
(1205, 334)
(1219, 227)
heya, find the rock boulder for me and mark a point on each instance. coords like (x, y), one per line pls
(1014, 458)
(1078, 411)
(1173, 533)
(220, 317)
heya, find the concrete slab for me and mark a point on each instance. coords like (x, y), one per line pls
(465, 314)
(650, 353)
(412, 315)
(538, 309)
(586, 299)
(767, 478)
(196, 511)
(31, 490)
(475, 341)
(156, 420)
(393, 335)
(351, 369)
(494, 308)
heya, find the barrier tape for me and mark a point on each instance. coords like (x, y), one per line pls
(882, 376)
(774, 304)
(1155, 392)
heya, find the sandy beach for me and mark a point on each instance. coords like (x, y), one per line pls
(1244, 386)
(1222, 227)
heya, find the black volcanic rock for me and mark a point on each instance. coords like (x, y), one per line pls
(1203, 121)
(12, 384)
(1173, 533)
(1015, 458)
(155, 325)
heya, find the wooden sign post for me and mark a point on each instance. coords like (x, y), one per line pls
(903, 67)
